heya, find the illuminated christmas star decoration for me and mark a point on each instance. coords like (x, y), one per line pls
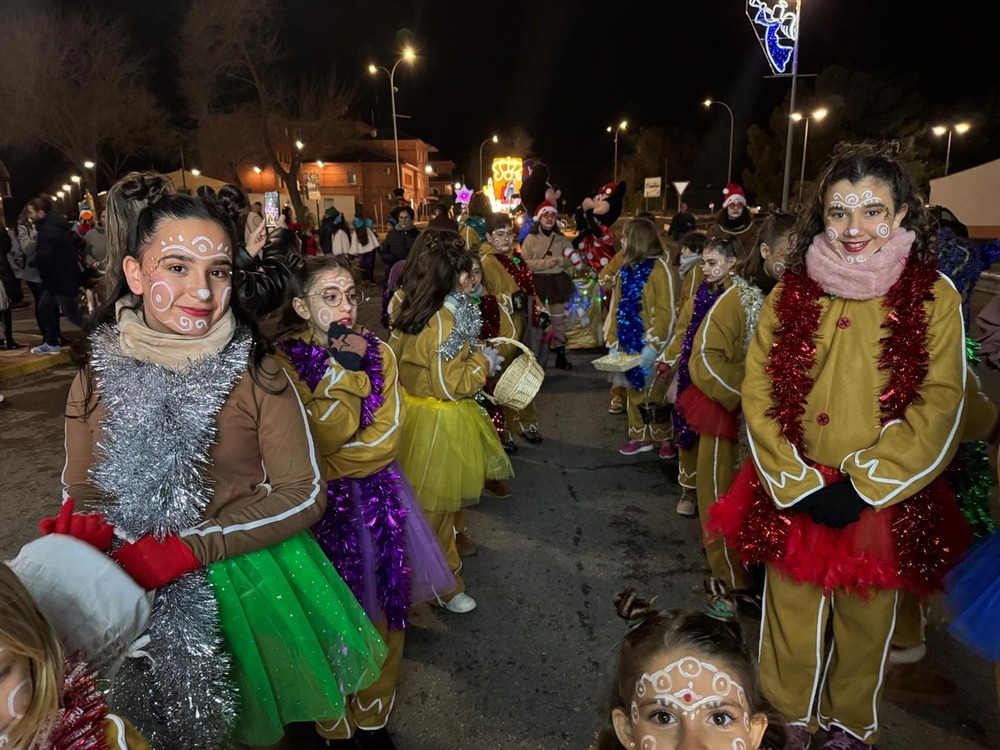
(463, 195)
(777, 27)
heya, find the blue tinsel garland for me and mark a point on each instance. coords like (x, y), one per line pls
(631, 328)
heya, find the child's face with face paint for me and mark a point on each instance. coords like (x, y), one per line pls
(16, 688)
(716, 265)
(332, 297)
(686, 700)
(184, 276)
(859, 217)
(502, 239)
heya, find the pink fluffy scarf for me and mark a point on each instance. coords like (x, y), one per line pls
(866, 280)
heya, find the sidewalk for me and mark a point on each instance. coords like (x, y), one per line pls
(14, 364)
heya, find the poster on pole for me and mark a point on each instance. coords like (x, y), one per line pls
(312, 186)
(776, 24)
(651, 187)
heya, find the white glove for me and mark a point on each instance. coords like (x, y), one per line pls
(494, 358)
(648, 357)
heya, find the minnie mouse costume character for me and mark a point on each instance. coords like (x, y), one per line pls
(595, 242)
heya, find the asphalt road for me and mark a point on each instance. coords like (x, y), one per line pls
(531, 666)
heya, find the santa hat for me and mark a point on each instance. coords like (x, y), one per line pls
(542, 208)
(733, 192)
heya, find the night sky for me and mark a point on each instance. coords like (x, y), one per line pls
(565, 69)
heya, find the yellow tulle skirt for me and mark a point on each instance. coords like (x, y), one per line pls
(449, 449)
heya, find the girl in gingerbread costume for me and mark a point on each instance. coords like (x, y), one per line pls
(711, 404)
(854, 399)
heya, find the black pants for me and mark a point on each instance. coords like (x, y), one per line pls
(36, 295)
(49, 307)
(7, 321)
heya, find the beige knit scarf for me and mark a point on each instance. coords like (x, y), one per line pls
(171, 350)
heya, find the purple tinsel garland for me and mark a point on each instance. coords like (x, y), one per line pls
(631, 328)
(310, 362)
(382, 514)
(704, 298)
(380, 509)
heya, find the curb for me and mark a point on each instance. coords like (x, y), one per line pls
(37, 363)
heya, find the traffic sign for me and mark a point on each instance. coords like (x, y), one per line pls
(680, 187)
(651, 188)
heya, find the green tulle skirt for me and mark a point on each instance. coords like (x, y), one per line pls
(299, 640)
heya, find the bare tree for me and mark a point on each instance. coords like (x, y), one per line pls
(50, 65)
(232, 78)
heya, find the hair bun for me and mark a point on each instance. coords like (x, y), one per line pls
(629, 606)
(146, 186)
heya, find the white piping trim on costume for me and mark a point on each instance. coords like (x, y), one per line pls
(819, 657)
(704, 343)
(120, 726)
(440, 370)
(395, 419)
(782, 480)
(311, 500)
(871, 467)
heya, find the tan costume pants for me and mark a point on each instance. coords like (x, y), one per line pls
(813, 683)
(687, 462)
(521, 421)
(370, 708)
(910, 620)
(715, 473)
(618, 395)
(657, 394)
(444, 525)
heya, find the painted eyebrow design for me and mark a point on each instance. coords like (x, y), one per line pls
(186, 258)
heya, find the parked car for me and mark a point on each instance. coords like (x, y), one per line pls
(947, 220)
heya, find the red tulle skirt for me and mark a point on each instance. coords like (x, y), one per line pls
(707, 417)
(910, 545)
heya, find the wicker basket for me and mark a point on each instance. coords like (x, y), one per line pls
(518, 384)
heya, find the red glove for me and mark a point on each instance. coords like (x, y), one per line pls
(88, 527)
(153, 564)
(663, 371)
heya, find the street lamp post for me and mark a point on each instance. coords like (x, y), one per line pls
(621, 126)
(495, 140)
(817, 114)
(409, 56)
(960, 128)
(732, 129)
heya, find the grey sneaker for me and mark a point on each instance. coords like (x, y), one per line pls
(45, 349)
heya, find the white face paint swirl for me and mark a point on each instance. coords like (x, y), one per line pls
(859, 217)
(326, 301)
(161, 296)
(12, 710)
(692, 702)
(186, 284)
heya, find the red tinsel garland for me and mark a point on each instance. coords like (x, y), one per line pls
(490, 310)
(80, 723)
(904, 350)
(909, 545)
(514, 265)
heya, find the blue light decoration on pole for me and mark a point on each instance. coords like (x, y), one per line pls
(776, 25)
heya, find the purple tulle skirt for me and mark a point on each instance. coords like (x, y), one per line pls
(375, 534)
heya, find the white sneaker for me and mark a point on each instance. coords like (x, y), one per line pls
(460, 604)
(907, 655)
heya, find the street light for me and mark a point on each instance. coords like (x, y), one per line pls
(495, 140)
(816, 114)
(409, 55)
(196, 172)
(88, 164)
(299, 145)
(960, 128)
(621, 126)
(732, 128)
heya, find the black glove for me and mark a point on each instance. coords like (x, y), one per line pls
(347, 346)
(544, 321)
(836, 505)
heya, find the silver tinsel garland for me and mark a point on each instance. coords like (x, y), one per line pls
(153, 471)
(468, 324)
(752, 300)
